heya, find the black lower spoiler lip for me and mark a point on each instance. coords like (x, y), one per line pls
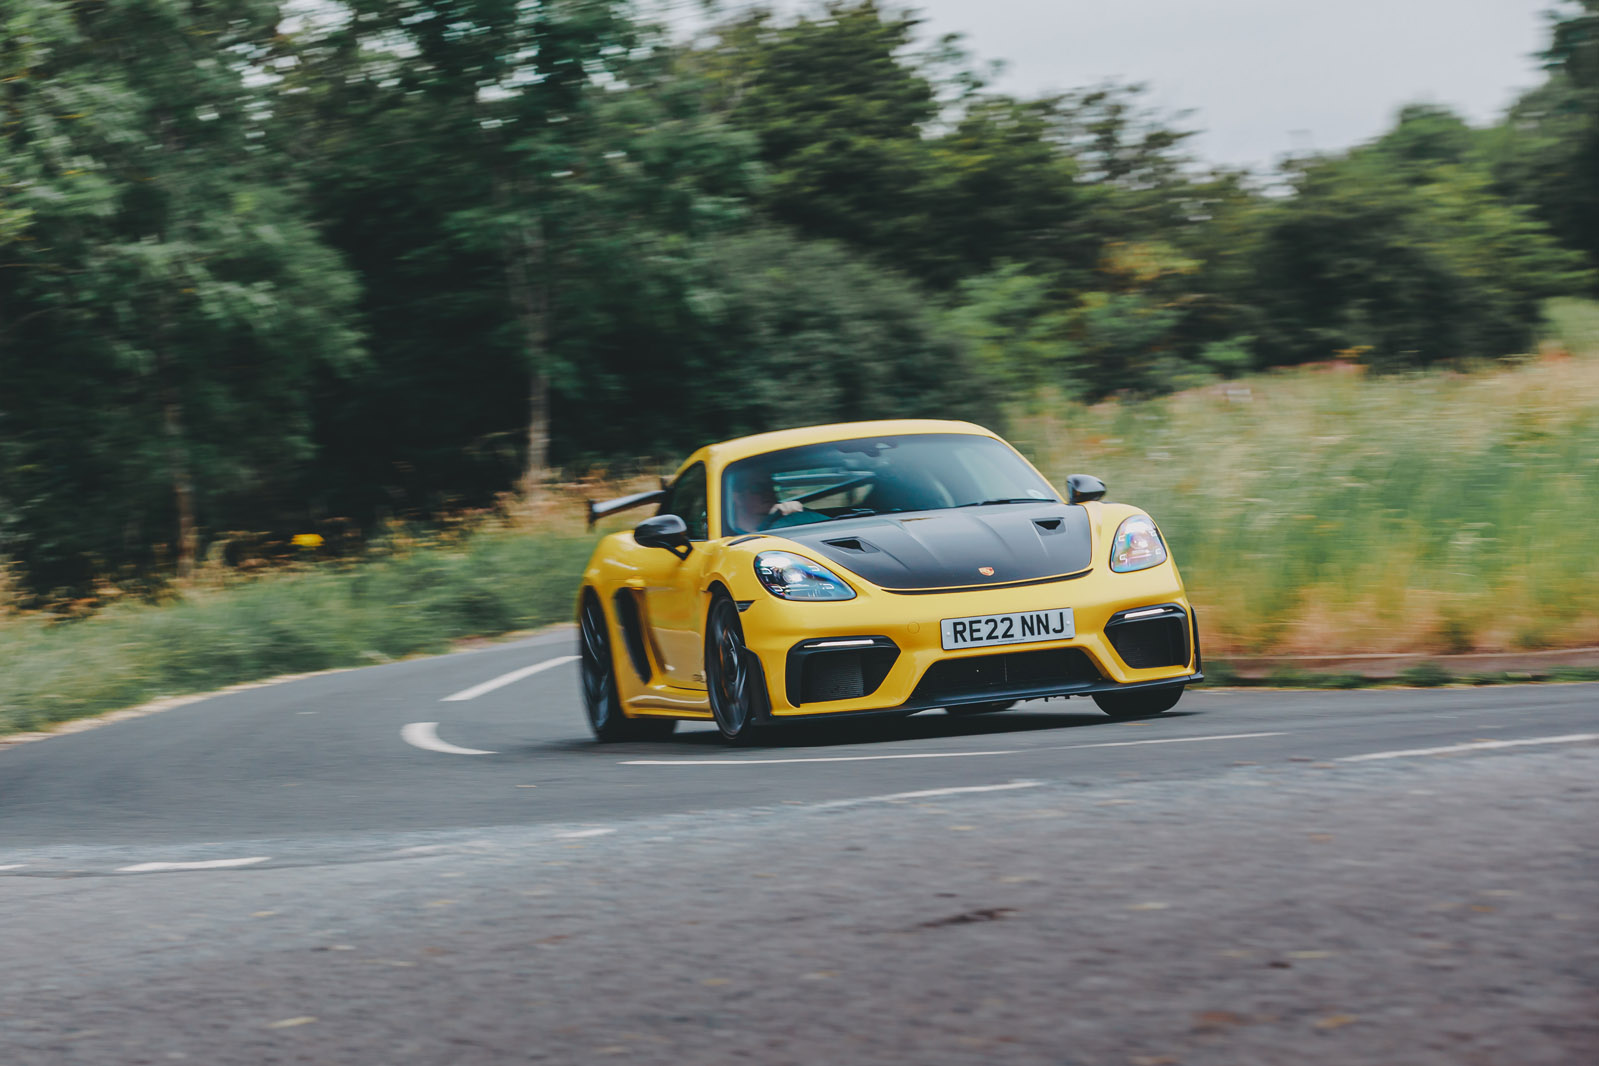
(1020, 692)
(597, 511)
(1048, 691)
(1038, 692)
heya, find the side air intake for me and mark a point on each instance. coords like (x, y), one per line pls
(1150, 637)
(829, 669)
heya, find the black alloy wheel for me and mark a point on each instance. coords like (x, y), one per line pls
(598, 671)
(732, 674)
(1145, 703)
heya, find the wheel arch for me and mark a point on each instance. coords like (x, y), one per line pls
(761, 712)
(717, 587)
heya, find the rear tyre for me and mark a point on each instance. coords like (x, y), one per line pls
(598, 671)
(1139, 704)
(981, 708)
(733, 675)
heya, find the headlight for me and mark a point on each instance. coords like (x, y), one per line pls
(1137, 546)
(792, 578)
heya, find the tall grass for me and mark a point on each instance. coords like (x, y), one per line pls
(397, 603)
(1322, 511)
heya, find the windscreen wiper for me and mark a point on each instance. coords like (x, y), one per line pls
(1006, 499)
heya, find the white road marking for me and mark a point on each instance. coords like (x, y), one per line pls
(507, 679)
(1475, 745)
(827, 758)
(1162, 740)
(14, 866)
(211, 864)
(925, 794)
(940, 754)
(425, 735)
(576, 833)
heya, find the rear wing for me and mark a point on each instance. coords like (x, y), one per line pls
(605, 508)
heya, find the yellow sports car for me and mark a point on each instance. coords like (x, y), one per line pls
(871, 568)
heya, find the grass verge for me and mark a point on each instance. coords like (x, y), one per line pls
(1422, 675)
(394, 603)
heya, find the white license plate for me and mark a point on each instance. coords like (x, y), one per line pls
(1023, 628)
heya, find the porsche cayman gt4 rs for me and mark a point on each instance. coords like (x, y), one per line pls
(871, 568)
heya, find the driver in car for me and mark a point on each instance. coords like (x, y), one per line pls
(756, 507)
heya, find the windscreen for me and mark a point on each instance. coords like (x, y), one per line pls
(874, 475)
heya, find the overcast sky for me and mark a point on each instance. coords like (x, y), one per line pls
(1263, 77)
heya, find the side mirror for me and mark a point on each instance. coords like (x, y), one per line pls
(1080, 488)
(667, 531)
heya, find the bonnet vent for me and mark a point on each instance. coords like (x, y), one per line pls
(854, 544)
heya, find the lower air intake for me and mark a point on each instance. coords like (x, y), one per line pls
(1145, 644)
(833, 677)
(845, 674)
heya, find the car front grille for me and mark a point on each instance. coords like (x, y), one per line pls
(1008, 673)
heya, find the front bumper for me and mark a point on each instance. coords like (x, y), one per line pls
(905, 636)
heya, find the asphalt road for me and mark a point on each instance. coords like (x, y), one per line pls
(307, 872)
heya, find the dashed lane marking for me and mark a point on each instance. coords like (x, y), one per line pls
(1475, 745)
(425, 735)
(211, 864)
(941, 754)
(574, 834)
(14, 866)
(1162, 740)
(508, 679)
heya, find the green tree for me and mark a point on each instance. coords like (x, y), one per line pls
(900, 155)
(163, 315)
(1366, 259)
(1016, 326)
(1132, 159)
(492, 170)
(1546, 152)
(804, 332)
(1001, 190)
(1149, 273)
(837, 109)
(1425, 137)
(748, 331)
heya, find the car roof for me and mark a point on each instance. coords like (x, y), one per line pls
(732, 451)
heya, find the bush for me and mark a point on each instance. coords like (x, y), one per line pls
(1425, 675)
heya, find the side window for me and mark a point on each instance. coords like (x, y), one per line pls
(686, 499)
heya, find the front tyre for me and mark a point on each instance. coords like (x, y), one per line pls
(598, 670)
(732, 674)
(1146, 703)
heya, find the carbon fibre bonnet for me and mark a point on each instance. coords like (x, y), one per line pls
(953, 548)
